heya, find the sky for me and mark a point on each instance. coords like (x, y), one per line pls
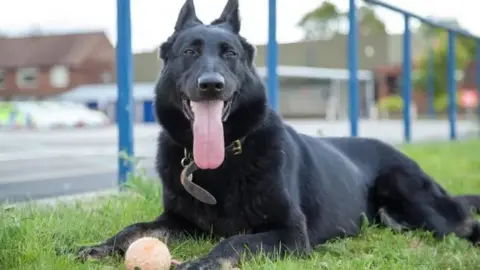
(153, 20)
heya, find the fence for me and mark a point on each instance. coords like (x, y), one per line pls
(407, 66)
(124, 71)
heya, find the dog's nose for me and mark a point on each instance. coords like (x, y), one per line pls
(211, 82)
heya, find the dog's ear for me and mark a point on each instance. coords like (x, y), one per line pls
(163, 50)
(230, 16)
(187, 16)
(250, 51)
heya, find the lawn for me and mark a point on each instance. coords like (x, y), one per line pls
(30, 236)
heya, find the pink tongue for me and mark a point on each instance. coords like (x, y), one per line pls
(208, 142)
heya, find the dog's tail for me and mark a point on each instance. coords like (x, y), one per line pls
(471, 200)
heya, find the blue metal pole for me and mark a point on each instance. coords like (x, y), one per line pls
(353, 69)
(272, 55)
(451, 85)
(430, 83)
(478, 77)
(407, 81)
(124, 81)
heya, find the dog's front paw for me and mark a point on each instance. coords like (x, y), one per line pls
(207, 263)
(93, 252)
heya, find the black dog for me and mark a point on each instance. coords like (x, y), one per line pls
(271, 188)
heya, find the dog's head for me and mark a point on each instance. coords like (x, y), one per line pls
(209, 79)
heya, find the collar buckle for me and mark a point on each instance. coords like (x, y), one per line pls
(237, 147)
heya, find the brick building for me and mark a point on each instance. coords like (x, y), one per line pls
(36, 67)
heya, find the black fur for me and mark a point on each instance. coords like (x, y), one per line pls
(286, 190)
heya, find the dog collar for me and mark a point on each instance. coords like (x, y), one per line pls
(189, 167)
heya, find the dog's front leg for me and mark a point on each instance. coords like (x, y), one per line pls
(165, 227)
(228, 253)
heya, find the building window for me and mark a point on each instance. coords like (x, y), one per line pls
(2, 79)
(59, 77)
(27, 77)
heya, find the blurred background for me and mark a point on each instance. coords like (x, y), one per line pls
(58, 89)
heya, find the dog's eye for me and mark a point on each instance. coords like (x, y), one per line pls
(189, 52)
(230, 54)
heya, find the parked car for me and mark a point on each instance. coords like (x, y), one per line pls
(77, 114)
(49, 114)
(37, 116)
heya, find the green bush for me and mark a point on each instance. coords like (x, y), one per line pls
(441, 102)
(393, 103)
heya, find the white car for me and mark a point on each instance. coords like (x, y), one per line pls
(38, 116)
(89, 116)
(50, 114)
(76, 114)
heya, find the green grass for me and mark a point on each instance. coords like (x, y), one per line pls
(29, 236)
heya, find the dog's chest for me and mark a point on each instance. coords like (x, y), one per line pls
(243, 201)
(237, 209)
(223, 219)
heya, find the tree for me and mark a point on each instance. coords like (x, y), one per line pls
(369, 22)
(323, 21)
(438, 38)
(428, 31)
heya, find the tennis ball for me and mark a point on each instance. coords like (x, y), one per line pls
(148, 253)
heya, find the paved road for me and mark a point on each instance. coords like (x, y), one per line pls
(41, 164)
(44, 164)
